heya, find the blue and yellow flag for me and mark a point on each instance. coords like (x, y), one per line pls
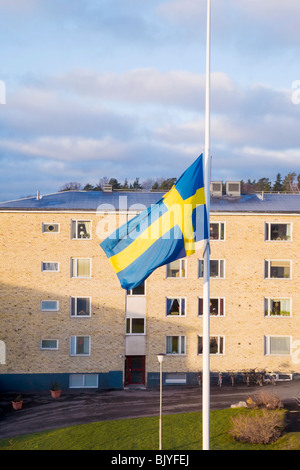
(165, 232)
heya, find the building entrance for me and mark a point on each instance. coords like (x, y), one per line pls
(135, 370)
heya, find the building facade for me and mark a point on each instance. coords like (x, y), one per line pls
(65, 318)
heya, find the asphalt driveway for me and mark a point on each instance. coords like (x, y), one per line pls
(40, 412)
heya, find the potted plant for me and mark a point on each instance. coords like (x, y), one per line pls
(55, 390)
(17, 403)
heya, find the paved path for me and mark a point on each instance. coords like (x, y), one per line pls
(40, 412)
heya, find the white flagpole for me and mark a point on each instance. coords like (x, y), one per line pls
(206, 278)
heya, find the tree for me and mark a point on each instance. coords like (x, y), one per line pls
(136, 184)
(125, 185)
(288, 182)
(278, 183)
(263, 184)
(72, 186)
(88, 187)
(114, 183)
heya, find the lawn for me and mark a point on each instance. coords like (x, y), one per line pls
(181, 432)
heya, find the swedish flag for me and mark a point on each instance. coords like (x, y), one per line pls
(165, 232)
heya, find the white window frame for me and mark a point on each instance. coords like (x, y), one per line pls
(219, 307)
(219, 264)
(219, 230)
(183, 267)
(50, 270)
(267, 302)
(267, 341)
(76, 307)
(49, 349)
(175, 378)
(179, 345)
(83, 376)
(74, 354)
(50, 309)
(75, 276)
(268, 231)
(218, 339)
(75, 229)
(269, 269)
(180, 299)
(130, 292)
(130, 319)
(50, 223)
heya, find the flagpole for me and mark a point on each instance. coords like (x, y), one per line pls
(206, 277)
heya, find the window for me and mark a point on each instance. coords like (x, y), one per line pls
(175, 378)
(175, 306)
(80, 346)
(217, 231)
(81, 229)
(80, 306)
(277, 269)
(277, 307)
(135, 326)
(217, 268)
(81, 267)
(216, 345)
(278, 345)
(49, 344)
(175, 345)
(50, 267)
(216, 307)
(139, 290)
(176, 269)
(83, 380)
(278, 232)
(50, 305)
(50, 228)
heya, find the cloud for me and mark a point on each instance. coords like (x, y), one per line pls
(247, 22)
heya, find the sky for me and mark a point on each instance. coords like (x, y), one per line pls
(116, 88)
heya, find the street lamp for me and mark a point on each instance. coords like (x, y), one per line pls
(160, 358)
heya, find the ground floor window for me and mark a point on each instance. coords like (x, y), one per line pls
(83, 380)
(278, 345)
(80, 345)
(175, 345)
(49, 344)
(216, 344)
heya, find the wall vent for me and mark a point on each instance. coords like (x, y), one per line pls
(233, 188)
(216, 188)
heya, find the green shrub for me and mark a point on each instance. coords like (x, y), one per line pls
(264, 400)
(261, 427)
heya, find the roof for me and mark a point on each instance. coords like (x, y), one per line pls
(138, 200)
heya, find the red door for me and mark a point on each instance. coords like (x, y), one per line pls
(135, 370)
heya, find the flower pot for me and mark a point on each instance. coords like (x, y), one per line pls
(55, 393)
(17, 405)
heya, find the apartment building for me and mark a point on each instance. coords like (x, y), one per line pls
(65, 318)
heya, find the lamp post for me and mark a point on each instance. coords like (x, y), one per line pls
(160, 358)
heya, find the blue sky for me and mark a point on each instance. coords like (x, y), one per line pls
(115, 88)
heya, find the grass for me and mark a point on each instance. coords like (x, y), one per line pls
(181, 432)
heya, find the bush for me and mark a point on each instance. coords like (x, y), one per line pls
(262, 427)
(264, 400)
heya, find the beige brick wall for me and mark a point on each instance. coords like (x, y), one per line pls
(23, 286)
(244, 289)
